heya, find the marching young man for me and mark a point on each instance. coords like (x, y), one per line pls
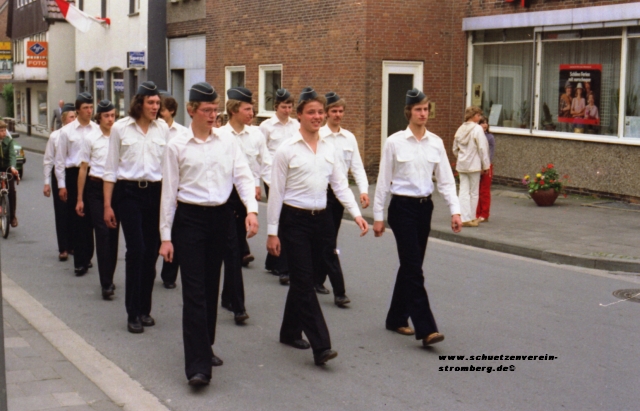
(302, 169)
(68, 160)
(251, 142)
(93, 157)
(347, 159)
(63, 230)
(200, 170)
(277, 130)
(409, 160)
(132, 184)
(169, 272)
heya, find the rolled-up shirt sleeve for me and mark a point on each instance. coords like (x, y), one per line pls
(357, 170)
(279, 171)
(49, 160)
(61, 158)
(113, 156)
(170, 181)
(446, 182)
(384, 182)
(243, 180)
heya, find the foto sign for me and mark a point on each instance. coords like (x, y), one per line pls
(136, 59)
(37, 49)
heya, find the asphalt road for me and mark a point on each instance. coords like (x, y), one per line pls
(485, 303)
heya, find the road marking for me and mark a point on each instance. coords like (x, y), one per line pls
(112, 380)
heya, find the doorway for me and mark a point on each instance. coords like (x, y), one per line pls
(397, 78)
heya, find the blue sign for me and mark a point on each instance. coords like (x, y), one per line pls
(118, 86)
(136, 59)
(37, 48)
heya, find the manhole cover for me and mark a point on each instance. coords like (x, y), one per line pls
(629, 295)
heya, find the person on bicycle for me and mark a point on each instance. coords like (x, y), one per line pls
(8, 163)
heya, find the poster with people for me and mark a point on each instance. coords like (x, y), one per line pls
(580, 93)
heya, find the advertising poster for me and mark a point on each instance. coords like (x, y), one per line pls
(580, 92)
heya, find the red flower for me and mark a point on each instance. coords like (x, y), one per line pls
(550, 165)
(552, 181)
(541, 182)
(544, 169)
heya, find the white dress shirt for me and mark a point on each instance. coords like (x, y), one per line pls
(300, 177)
(407, 167)
(176, 129)
(69, 146)
(203, 173)
(277, 133)
(347, 155)
(94, 152)
(134, 155)
(253, 145)
(49, 160)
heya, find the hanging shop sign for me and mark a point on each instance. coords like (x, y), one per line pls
(580, 93)
(37, 54)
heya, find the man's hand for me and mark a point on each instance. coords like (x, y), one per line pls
(251, 223)
(110, 217)
(166, 251)
(273, 245)
(62, 193)
(46, 190)
(80, 208)
(258, 194)
(16, 174)
(364, 226)
(364, 200)
(378, 228)
(485, 172)
(456, 223)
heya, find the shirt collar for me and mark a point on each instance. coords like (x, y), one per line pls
(192, 136)
(228, 127)
(408, 133)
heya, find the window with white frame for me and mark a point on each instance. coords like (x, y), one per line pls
(234, 77)
(134, 6)
(18, 51)
(270, 81)
(580, 81)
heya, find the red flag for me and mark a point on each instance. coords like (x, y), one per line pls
(77, 18)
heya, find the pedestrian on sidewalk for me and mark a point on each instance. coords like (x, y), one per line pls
(94, 157)
(347, 159)
(132, 185)
(200, 170)
(68, 160)
(484, 201)
(409, 160)
(302, 169)
(63, 229)
(278, 129)
(169, 273)
(472, 151)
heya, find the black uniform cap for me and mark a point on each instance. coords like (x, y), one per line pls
(85, 97)
(164, 93)
(105, 106)
(282, 94)
(241, 94)
(308, 93)
(332, 97)
(68, 107)
(414, 97)
(148, 88)
(202, 92)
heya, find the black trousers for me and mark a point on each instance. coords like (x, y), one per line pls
(106, 238)
(410, 220)
(81, 232)
(304, 235)
(169, 273)
(138, 210)
(233, 286)
(202, 238)
(63, 226)
(332, 260)
(276, 263)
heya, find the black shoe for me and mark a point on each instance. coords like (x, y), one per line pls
(240, 317)
(273, 271)
(147, 320)
(299, 344)
(80, 271)
(227, 305)
(321, 289)
(341, 301)
(247, 259)
(169, 286)
(108, 292)
(90, 265)
(216, 361)
(284, 279)
(199, 380)
(134, 325)
(324, 356)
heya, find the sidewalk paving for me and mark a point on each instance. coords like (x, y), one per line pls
(39, 377)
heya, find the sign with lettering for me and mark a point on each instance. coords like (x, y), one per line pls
(37, 63)
(37, 49)
(136, 59)
(5, 50)
(580, 93)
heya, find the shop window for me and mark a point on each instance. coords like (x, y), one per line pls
(269, 82)
(42, 108)
(117, 92)
(98, 86)
(632, 100)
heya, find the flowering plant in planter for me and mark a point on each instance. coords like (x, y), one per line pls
(547, 178)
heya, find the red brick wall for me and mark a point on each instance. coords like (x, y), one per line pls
(187, 28)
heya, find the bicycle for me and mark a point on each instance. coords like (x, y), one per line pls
(5, 218)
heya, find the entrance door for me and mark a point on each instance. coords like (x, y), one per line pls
(397, 78)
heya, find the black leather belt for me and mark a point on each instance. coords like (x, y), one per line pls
(415, 199)
(140, 184)
(304, 211)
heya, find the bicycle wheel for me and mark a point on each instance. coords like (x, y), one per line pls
(4, 215)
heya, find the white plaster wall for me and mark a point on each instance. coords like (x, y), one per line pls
(62, 56)
(106, 47)
(188, 54)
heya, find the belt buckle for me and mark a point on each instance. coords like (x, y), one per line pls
(423, 199)
(146, 184)
(314, 212)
